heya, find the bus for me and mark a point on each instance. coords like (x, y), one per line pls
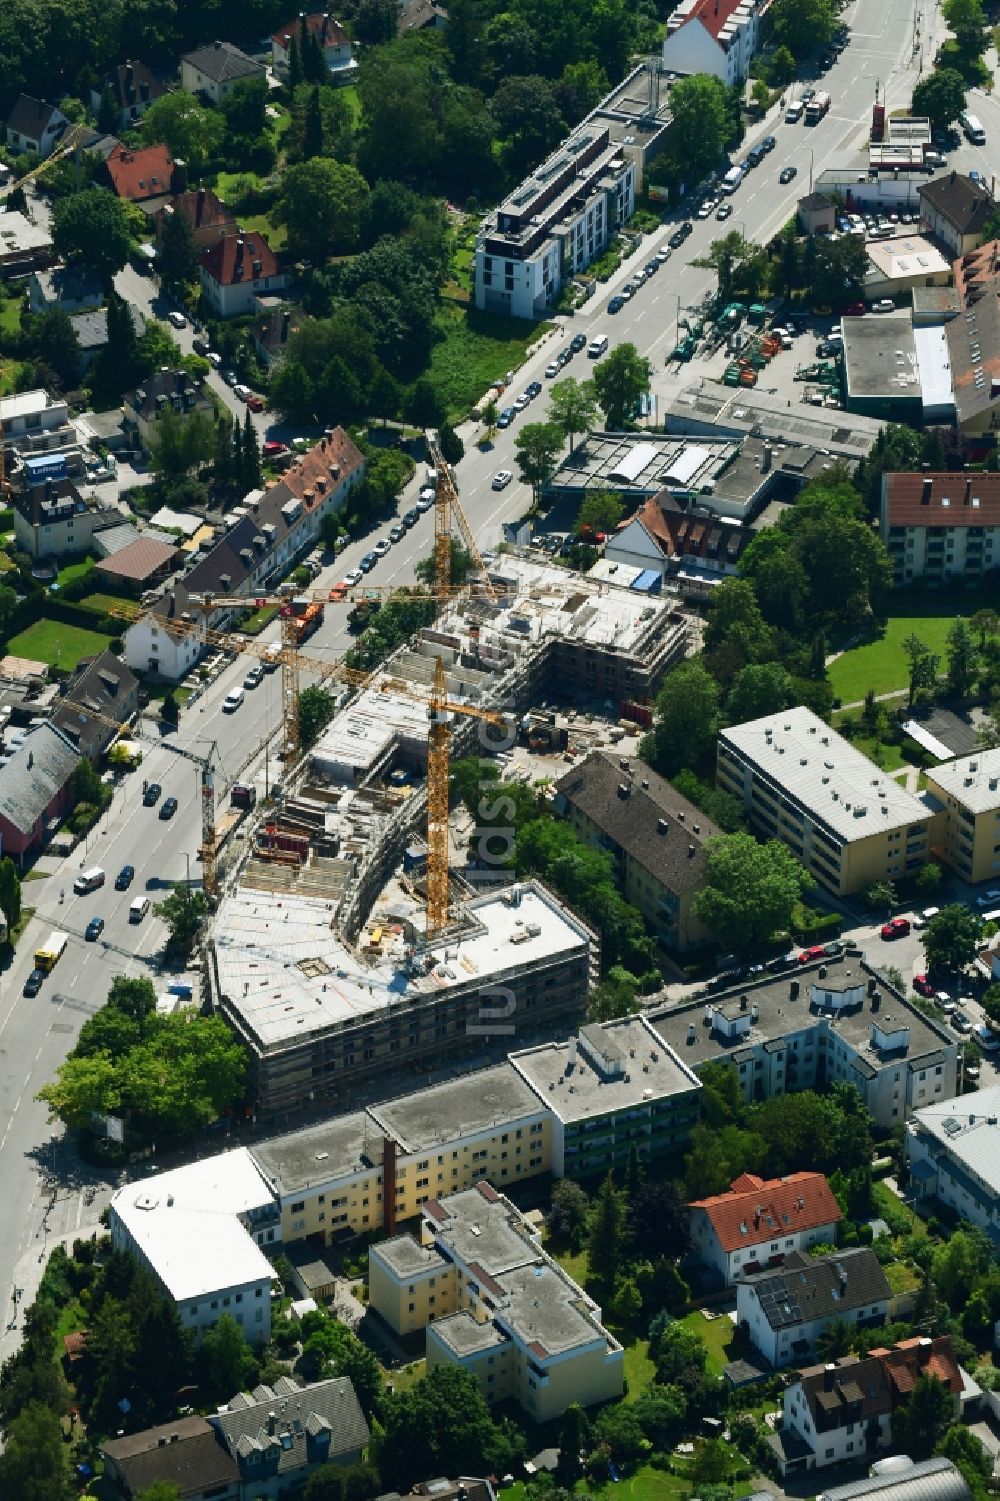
(972, 128)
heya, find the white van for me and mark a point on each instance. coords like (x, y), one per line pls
(232, 701)
(794, 112)
(597, 347)
(89, 880)
(138, 908)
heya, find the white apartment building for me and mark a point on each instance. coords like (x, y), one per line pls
(953, 1148)
(756, 1223)
(554, 224)
(200, 1231)
(713, 36)
(941, 525)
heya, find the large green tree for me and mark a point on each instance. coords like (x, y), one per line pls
(226, 1362)
(619, 381)
(316, 708)
(951, 939)
(536, 449)
(572, 407)
(802, 25)
(750, 890)
(701, 128)
(961, 657)
(940, 96)
(91, 226)
(178, 253)
(321, 203)
(33, 1464)
(193, 132)
(606, 1241)
(967, 20)
(758, 689)
(10, 891)
(923, 1420)
(442, 1423)
(181, 442)
(687, 719)
(184, 911)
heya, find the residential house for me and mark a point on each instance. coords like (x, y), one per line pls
(941, 525)
(207, 215)
(24, 245)
(973, 344)
(36, 790)
(493, 1303)
(656, 837)
(927, 1480)
(817, 214)
(140, 566)
(757, 1223)
(282, 523)
(713, 36)
(689, 545)
(91, 329)
(33, 422)
(34, 125)
(801, 782)
(103, 688)
(953, 1149)
(215, 70)
(331, 36)
(72, 289)
(841, 1412)
(52, 520)
(783, 1313)
(184, 1453)
(967, 836)
(280, 1434)
(164, 390)
(272, 330)
(133, 87)
(199, 1230)
(955, 210)
(236, 270)
(149, 178)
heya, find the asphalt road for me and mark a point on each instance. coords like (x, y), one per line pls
(36, 1034)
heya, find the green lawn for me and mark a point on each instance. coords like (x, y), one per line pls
(10, 315)
(639, 1369)
(718, 1335)
(276, 235)
(472, 350)
(349, 94)
(57, 644)
(647, 1484)
(889, 757)
(404, 1378)
(901, 1277)
(74, 571)
(882, 665)
(106, 603)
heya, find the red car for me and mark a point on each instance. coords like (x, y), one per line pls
(818, 951)
(897, 927)
(272, 448)
(255, 403)
(922, 985)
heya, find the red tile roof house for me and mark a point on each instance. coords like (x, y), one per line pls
(756, 1223)
(332, 38)
(236, 270)
(210, 219)
(149, 178)
(713, 36)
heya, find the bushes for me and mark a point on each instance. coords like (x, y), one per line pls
(811, 926)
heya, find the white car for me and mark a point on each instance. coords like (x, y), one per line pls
(663, 254)
(215, 360)
(178, 320)
(923, 918)
(502, 479)
(353, 577)
(426, 499)
(381, 547)
(232, 701)
(884, 305)
(524, 400)
(242, 392)
(706, 209)
(552, 370)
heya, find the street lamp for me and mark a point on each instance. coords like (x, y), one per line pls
(811, 159)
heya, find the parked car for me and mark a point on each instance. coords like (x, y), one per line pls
(397, 532)
(884, 305)
(923, 918)
(168, 807)
(663, 254)
(214, 359)
(426, 499)
(230, 377)
(897, 927)
(522, 401)
(254, 677)
(382, 546)
(411, 517)
(817, 951)
(988, 899)
(616, 304)
(506, 417)
(552, 370)
(230, 704)
(502, 479)
(368, 562)
(94, 929)
(255, 403)
(960, 1021)
(705, 209)
(151, 794)
(124, 878)
(922, 985)
(534, 388)
(272, 448)
(651, 267)
(353, 577)
(177, 319)
(768, 143)
(724, 211)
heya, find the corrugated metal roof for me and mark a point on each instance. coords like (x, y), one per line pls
(930, 1480)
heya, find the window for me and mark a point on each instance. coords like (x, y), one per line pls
(298, 1207)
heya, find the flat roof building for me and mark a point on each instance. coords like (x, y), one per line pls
(611, 1088)
(200, 1230)
(967, 833)
(799, 781)
(953, 1150)
(318, 1020)
(493, 1303)
(706, 410)
(839, 1019)
(881, 369)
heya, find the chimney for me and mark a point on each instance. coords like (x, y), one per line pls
(968, 492)
(129, 77)
(925, 492)
(766, 462)
(178, 176)
(286, 319)
(144, 92)
(829, 1371)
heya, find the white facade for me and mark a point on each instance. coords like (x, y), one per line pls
(712, 36)
(237, 299)
(200, 1230)
(953, 1150)
(840, 1444)
(784, 1346)
(634, 547)
(150, 647)
(67, 529)
(732, 1264)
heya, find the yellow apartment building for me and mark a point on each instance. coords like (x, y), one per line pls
(495, 1304)
(967, 832)
(846, 821)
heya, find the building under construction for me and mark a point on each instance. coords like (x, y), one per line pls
(321, 1017)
